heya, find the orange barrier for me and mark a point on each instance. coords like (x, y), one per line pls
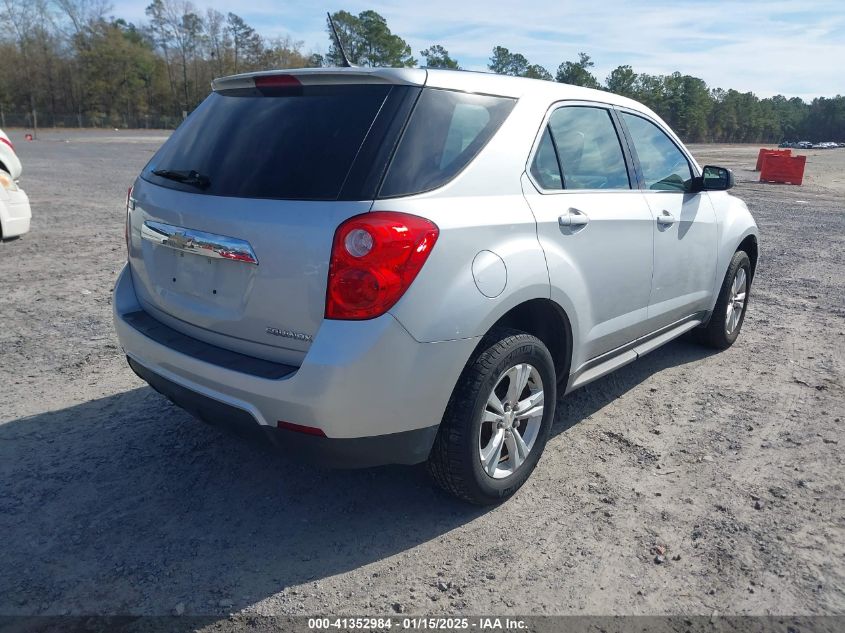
(775, 152)
(785, 169)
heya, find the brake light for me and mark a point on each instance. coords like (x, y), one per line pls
(276, 81)
(128, 219)
(7, 142)
(375, 258)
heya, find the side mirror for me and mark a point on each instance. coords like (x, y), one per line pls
(714, 179)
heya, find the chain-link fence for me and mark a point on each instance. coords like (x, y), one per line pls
(44, 120)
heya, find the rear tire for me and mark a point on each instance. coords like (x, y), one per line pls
(498, 419)
(729, 313)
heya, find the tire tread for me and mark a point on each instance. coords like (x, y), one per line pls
(714, 334)
(446, 464)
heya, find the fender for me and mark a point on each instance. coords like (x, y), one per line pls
(735, 223)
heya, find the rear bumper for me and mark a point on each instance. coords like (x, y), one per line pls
(15, 213)
(376, 393)
(408, 447)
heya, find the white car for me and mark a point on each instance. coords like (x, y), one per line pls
(15, 213)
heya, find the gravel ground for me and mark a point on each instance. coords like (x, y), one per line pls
(112, 501)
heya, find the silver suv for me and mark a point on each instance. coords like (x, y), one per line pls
(376, 266)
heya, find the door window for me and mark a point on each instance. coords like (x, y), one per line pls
(664, 166)
(588, 149)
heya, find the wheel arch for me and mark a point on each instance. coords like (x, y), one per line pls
(749, 245)
(549, 322)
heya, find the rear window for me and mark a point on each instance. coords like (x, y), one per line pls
(288, 143)
(446, 131)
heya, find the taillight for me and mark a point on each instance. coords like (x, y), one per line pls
(128, 219)
(375, 258)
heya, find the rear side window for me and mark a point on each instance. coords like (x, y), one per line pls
(588, 149)
(447, 129)
(545, 168)
(282, 143)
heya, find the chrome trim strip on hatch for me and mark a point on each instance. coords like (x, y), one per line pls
(198, 242)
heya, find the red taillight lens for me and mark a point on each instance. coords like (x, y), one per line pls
(375, 258)
(7, 142)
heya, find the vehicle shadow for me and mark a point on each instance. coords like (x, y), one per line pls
(127, 505)
(583, 402)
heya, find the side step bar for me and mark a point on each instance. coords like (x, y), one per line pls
(613, 360)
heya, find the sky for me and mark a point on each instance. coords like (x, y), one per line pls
(789, 47)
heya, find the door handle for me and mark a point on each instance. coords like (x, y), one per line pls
(665, 218)
(573, 217)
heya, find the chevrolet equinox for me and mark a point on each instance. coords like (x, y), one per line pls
(398, 266)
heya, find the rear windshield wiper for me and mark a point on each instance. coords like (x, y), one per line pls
(191, 177)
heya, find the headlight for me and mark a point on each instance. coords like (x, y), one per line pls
(6, 182)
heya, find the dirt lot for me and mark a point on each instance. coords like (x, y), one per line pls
(114, 501)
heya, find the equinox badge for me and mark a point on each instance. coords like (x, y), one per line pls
(297, 336)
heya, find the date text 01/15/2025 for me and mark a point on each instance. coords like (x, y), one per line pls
(417, 623)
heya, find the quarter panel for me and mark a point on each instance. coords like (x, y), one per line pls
(482, 209)
(444, 301)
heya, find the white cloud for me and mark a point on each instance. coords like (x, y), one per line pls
(768, 47)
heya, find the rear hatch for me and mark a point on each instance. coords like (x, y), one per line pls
(232, 221)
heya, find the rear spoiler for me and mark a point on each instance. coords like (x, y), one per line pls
(323, 76)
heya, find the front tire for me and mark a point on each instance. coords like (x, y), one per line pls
(498, 419)
(729, 313)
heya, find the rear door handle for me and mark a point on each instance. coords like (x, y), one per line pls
(573, 217)
(665, 218)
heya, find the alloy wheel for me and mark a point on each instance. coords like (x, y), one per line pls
(736, 301)
(511, 420)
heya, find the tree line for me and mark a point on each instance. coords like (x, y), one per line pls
(695, 111)
(74, 64)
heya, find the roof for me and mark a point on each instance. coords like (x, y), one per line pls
(505, 85)
(467, 81)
